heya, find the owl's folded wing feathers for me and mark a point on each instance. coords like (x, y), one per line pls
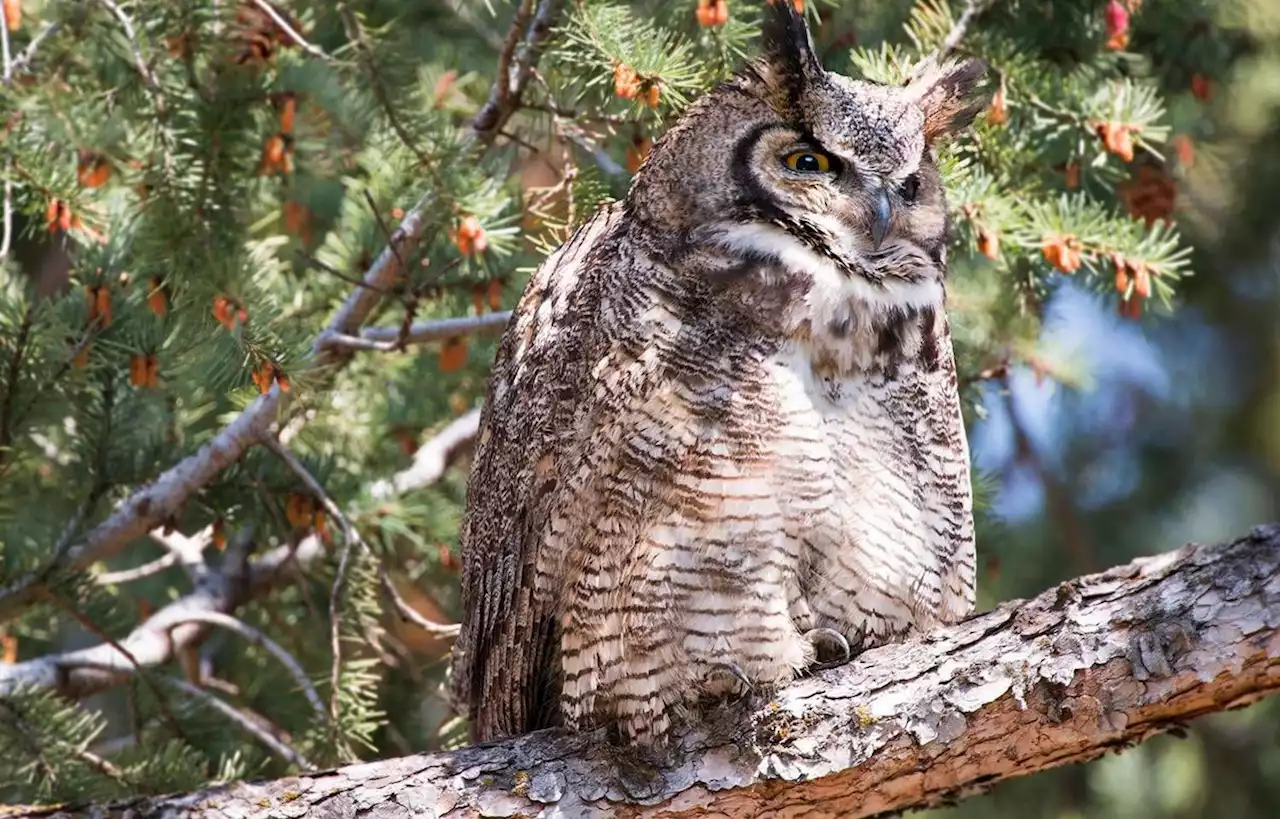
(506, 666)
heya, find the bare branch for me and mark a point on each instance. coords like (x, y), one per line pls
(1087, 667)
(253, 635)
(961, 26)
(284, 26)
(516, 61)
(148, 76)
(411, 614)
(137, 573)
(276, 746)
(6, 238)
(4, 51)
(29, 53)
(189, 550)
(387, 339)
(79, 673)
(432, 458)
(351, 538)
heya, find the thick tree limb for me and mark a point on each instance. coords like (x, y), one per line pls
(1093, 665)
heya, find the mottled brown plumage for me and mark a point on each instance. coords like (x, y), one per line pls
(723, 428)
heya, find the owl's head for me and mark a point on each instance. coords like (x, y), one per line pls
(793, 165)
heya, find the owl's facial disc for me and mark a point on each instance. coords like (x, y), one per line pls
(841, 172)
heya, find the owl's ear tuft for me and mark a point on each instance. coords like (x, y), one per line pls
(950, 94)
(787, 49)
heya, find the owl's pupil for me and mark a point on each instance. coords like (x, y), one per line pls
(807, 162)
(910, 187)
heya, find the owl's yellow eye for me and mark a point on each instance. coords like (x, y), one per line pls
(807, 162)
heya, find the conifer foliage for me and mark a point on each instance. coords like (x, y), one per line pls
(255, 256)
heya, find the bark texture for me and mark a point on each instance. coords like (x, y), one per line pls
(1095, 664)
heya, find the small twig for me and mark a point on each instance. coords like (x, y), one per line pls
(310, 258)
(411, 614)
(465, 12)
(387, 339)
(148, 76)
(1059, 503)
(145, 570)
(188, 550)
(356, 33)
(297, 38)
(256, 637)
(4, 50)
(103, 765)
(949, 43)
(7, 237)
(277, 747)
(350, 538)
(29, 53)
(92, 627)
(432, 458)
(514, 69)
(386, 231)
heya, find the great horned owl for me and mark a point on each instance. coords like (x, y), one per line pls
(723, 429)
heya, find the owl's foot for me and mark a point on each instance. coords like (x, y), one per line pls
(830, 648)
(728, 681)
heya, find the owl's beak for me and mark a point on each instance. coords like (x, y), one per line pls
(880, 218)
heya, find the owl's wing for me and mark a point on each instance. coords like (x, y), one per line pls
(948, 487)
(506, 668)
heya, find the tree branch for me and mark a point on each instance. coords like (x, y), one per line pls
(163, 635)
(432, 458)
(1092, 665)
(516, 61)
(387, 339)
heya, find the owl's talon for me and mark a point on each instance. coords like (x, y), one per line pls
(735, 689)
(830, 648)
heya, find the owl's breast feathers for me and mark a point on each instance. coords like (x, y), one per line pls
(663, 478)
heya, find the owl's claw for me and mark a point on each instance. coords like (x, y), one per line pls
(830, 648)
(729, 680)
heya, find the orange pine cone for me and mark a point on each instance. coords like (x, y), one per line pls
(99, 298)
(1073, 175)
(712, 13)
(227, 312)
(625, 82)
(157, 300)
(92, 169)
(495, 295)
(1184, 150)
(1202, 87)
(299, 509)
(453, 354)
(470, 237)
(1063, 252)
(998, 110)
(989, 243)
(1122, 273)
(1117, 137)
(13, 14)
(144, 370)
